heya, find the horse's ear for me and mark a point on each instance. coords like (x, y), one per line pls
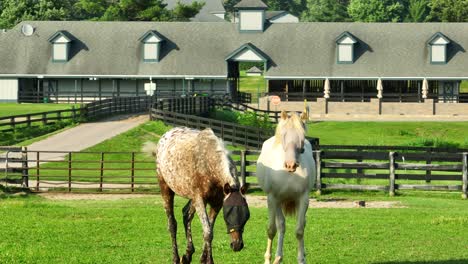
(227, 188)
(304, 116)
(244, 188)
(284, 115)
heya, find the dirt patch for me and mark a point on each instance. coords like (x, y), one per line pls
(261, 201)
(253, 201)
(93, 196)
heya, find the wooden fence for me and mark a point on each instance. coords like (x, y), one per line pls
(375, 169)
(94, 110)
(10, 123)
(79, 171)
(371, 168)
(230, 132)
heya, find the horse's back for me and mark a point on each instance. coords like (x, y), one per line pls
(174, 156)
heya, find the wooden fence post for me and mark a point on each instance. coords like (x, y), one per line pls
(391, 188)
(243, 166)
(318, 165)
(44, 119)
(133, 172)
(69, 170)
(37, 170)
(465, 176)
(428, 161)
(101, 179)
(25, 168)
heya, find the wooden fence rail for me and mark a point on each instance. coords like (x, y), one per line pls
(93, 110)
(10, 123)
(134, 172)
(81, 171)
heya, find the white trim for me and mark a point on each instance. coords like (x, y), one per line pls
(361, 78)
(114, 76)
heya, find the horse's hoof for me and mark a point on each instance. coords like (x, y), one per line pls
(278, 260)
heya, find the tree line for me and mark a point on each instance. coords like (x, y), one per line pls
(371, 10)
(15, 11)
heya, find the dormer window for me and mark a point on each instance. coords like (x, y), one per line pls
(61, 43)
(345, 48)
(251, 15)
(438, 48)
(151, 42)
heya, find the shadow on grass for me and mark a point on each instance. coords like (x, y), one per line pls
(451, 261)
(8, 192)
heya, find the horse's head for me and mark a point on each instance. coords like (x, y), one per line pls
(290, 132)
(236, 213)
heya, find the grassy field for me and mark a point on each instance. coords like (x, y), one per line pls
(427, 229)
(9, 109)
(443, 134)
(464, 87)
(252, 85)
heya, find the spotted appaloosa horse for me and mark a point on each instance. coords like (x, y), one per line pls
(286, 172)
(194, 164)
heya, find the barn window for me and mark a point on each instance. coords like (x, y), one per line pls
(345, 48)
(438, 48)
(151, 42)
(61, 43)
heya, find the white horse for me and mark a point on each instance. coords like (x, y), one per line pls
(286, 172)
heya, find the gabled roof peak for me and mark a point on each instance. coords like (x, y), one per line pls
(346, 38)
(66, 37)
(438, 38)
(251, 4)
(156, 37)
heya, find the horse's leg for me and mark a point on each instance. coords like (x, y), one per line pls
(280, 225)
(272, 208)
(168, 198)
(207, 256)
(301, 222)
(188, 212)
(215, 208)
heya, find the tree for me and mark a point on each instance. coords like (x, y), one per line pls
(149, 10)
(295, 7)
(417, 11)
(183, 12)
(90, 9)
(448, 11)
(326, 11)
(376, 10)
(15, 11)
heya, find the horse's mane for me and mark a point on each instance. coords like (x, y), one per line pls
(293, 121)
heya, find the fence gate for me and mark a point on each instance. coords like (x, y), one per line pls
(13, 166)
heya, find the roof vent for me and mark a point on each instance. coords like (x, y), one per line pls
(27, 30)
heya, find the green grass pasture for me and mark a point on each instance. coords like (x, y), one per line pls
(428, 228)
(252, 85)
(9, 109)
(437, 134)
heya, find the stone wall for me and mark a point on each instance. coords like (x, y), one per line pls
(427, 110)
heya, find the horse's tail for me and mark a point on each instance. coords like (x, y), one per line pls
(149, 148)
(289, 207)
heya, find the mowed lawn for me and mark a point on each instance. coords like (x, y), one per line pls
(427, 229)
(441, 134)
(252, 85)
(9, 109)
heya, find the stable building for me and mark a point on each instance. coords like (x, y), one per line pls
(336, 62)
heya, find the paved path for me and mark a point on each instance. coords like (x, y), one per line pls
(82, 136)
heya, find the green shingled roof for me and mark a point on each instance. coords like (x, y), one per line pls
(251, 4)
(296, 50)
